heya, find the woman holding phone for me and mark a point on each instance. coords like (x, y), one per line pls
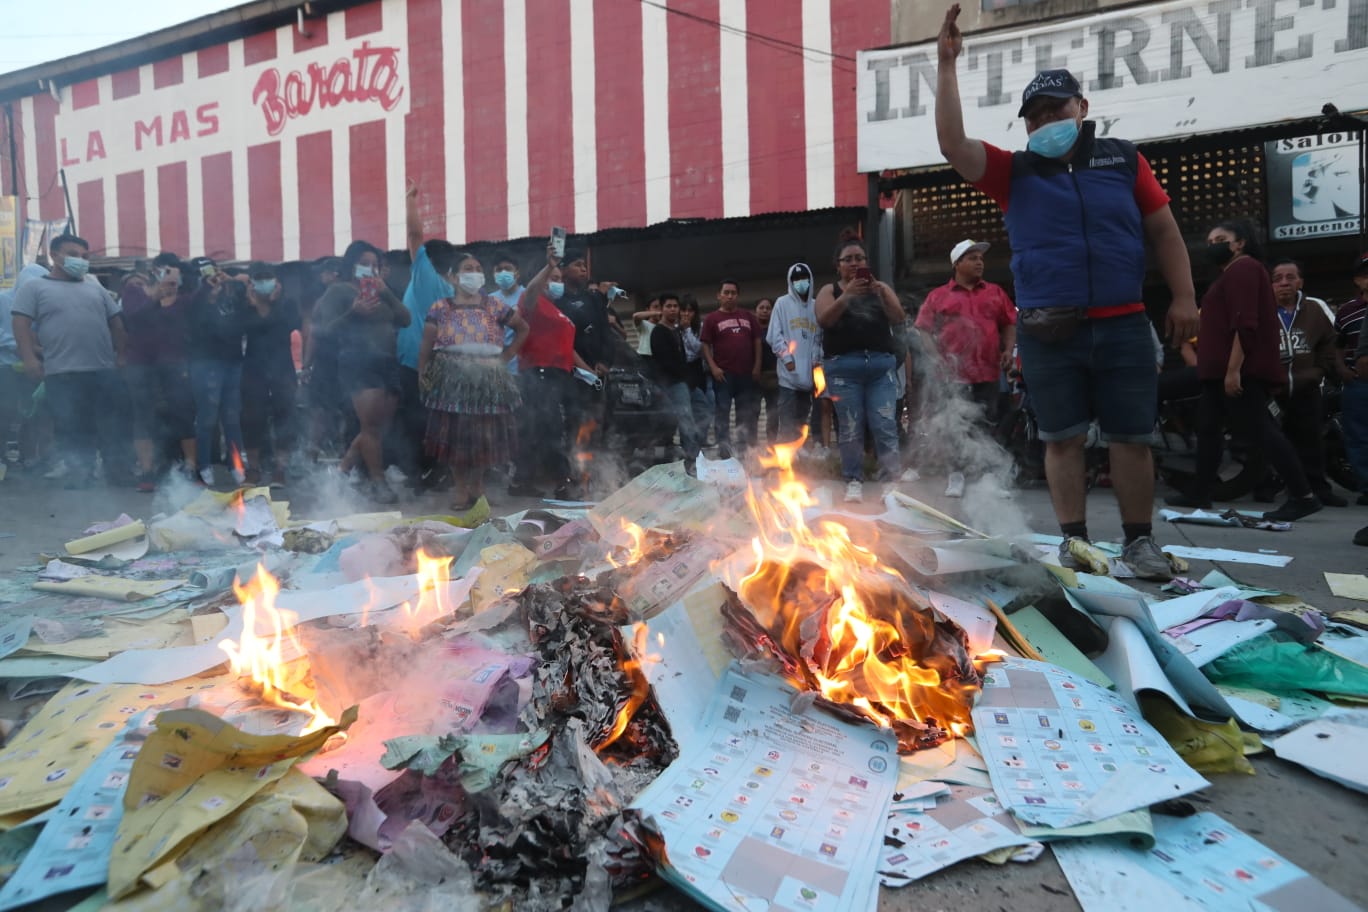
(361, 316)
(857, 315)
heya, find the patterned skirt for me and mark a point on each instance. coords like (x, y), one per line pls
(470, 403)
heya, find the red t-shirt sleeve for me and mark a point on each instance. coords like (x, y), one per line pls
(1149, 193)
(708, 334)
(997, 175)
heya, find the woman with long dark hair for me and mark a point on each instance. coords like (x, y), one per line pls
(1238, 365)
(857, 315)
(361, 316)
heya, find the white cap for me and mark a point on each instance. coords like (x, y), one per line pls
(964, 247)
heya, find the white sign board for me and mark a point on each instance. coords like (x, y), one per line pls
(1150, 72)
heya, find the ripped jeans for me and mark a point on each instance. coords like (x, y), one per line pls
(863, 391)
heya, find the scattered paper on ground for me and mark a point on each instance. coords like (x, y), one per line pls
(1348, 585)
(1197, 863)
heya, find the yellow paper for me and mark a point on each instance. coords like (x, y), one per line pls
(110, 587)
(194, 771)
(69, 732)
(293, 820)
(1348, 585)
(505, 569)
(171, 629)
(104, 540)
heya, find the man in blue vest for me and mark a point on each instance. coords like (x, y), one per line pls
(1081, 208)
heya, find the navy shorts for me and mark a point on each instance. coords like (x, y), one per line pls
(1105, 372)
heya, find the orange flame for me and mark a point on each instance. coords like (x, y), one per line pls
(818, 380)
(432, 603)
(635, 551)
(641, 686)
(236, 459)
(834, 603)
(260, 655)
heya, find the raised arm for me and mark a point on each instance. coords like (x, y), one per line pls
(965, 154)
(413, 223)
(537, 286)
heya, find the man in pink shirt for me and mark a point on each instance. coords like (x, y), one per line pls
(973, 326)
(973, 323)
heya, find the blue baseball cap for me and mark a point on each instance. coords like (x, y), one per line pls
(1050, 84)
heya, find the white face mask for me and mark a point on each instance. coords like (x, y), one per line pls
(470, 282)
(364, 272)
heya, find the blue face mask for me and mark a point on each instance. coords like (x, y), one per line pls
(364, 272)
(505, 280)
(264, 287)
(802, 285)
(76, 267)
(555, 290)
(1055, 139)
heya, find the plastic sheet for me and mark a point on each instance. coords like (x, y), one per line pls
(1276, 665)
(1208, 747)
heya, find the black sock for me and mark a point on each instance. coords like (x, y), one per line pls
(1136, 530)
(1075, 530)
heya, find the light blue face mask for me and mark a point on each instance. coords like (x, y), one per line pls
(264, 287)
(470, 282)
(505, 280)
(555, 290)
(801, 286)
(1054, 139)
(76, 267)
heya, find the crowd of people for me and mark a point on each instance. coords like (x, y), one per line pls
(489, 365)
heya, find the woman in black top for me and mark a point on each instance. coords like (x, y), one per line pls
(857, 315)
(268, 373)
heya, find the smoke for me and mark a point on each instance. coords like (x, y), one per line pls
(950, 433)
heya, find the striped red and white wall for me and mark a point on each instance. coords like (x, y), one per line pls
(511, 116)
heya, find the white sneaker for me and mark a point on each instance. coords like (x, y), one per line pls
(854, 492)
(206, 475)
(910, 475)
(58, 471)
(239, 477)
(955, 485)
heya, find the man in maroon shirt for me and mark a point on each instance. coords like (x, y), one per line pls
(731, 340)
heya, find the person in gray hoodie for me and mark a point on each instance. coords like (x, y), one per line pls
(796, 340)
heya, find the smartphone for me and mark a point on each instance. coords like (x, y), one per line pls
(208, 270)
(864, 274)
(558, 241)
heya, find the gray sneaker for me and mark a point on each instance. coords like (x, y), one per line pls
(1067, 560)
(1149, 563)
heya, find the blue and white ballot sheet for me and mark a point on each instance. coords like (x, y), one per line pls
(1197, 864)
(1062, 751)
(774, 809)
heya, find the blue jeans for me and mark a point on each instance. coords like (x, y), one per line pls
(1104, 371)
(741, 389)
(1354, 417)
(217, 386)
(681, 403)
(701, 397)
(864, 391)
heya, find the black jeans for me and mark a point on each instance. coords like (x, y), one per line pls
(268, 412)
(1303, 420)
(743, 390)
(1249, 417)
(544, 430)
(89, 414)
(405, 443)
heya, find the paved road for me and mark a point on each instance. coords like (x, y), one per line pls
(1314, 823)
